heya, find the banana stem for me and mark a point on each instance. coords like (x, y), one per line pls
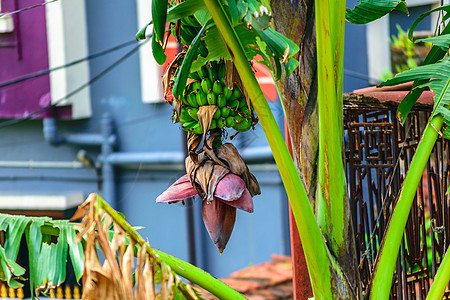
(441, 279)
(182, 268)
(314, 246)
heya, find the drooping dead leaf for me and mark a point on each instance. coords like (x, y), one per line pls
(189, 82)
(193, 141)
(167, 78)
(127, 269)
(140, 281)
(253, 185)
(177, 110)
(209, 150)
(113, 280)
(229, 72)
(230, 155)
(205, 115)
(149, 279)
(166, 40)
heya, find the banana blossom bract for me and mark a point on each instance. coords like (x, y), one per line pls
(219, 215)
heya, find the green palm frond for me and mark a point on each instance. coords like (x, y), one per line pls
(371, 10)
(437, 77)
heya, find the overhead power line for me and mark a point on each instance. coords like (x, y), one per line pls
(9, 13)
(77, 90)
(73, 63)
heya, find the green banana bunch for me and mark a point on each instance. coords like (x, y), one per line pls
(208, 88)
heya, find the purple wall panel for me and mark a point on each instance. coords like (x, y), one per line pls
(27, 54)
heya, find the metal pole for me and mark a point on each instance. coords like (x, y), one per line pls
(190, 225)
(108, 172)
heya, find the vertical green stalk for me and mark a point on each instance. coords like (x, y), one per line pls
(333, 207)
(441, 279)
(332, 182)
(182, 268)
(390, 246)
(313, 243)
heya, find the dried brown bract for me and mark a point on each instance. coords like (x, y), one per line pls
(113, 279)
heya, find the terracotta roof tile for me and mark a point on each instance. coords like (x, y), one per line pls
(395, 93)
(269, 280)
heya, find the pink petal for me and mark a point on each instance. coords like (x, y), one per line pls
(180, 190)
(219, 220)
(230, 187)
(245, 202)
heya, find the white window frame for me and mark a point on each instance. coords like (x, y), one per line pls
(151, 83)
(40, 200)
(6, 24)
(68, 41)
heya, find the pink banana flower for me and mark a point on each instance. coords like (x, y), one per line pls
(219, 216)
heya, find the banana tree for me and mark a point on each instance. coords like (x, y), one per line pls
(328, 242)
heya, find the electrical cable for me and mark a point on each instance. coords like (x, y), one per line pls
(2, 15)
(75, 62)
(80, 88)
(360, 76)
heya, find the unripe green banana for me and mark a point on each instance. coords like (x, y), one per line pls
(184, 116)
(191, 100)
(202, 73)
(227, 92)
(192, 111)
(213, 124)
(236, 93)
(214, 72)
(221, 101)
(196, 86)
(217, 114)
(189, 125)
(233, 104)
(225, 112)
(230, 122)
(211, 98)
(201, 98)
(242, 103)
(184, 100)
(217, 87)
(206, 85)
(221, 72)
(211, 73)
(197, 128)
(242, 127)
(238, 119)
(245, 111)
(221, 122)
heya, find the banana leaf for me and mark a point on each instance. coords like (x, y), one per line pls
(48, 259)
(371, 10)
(437, 77)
